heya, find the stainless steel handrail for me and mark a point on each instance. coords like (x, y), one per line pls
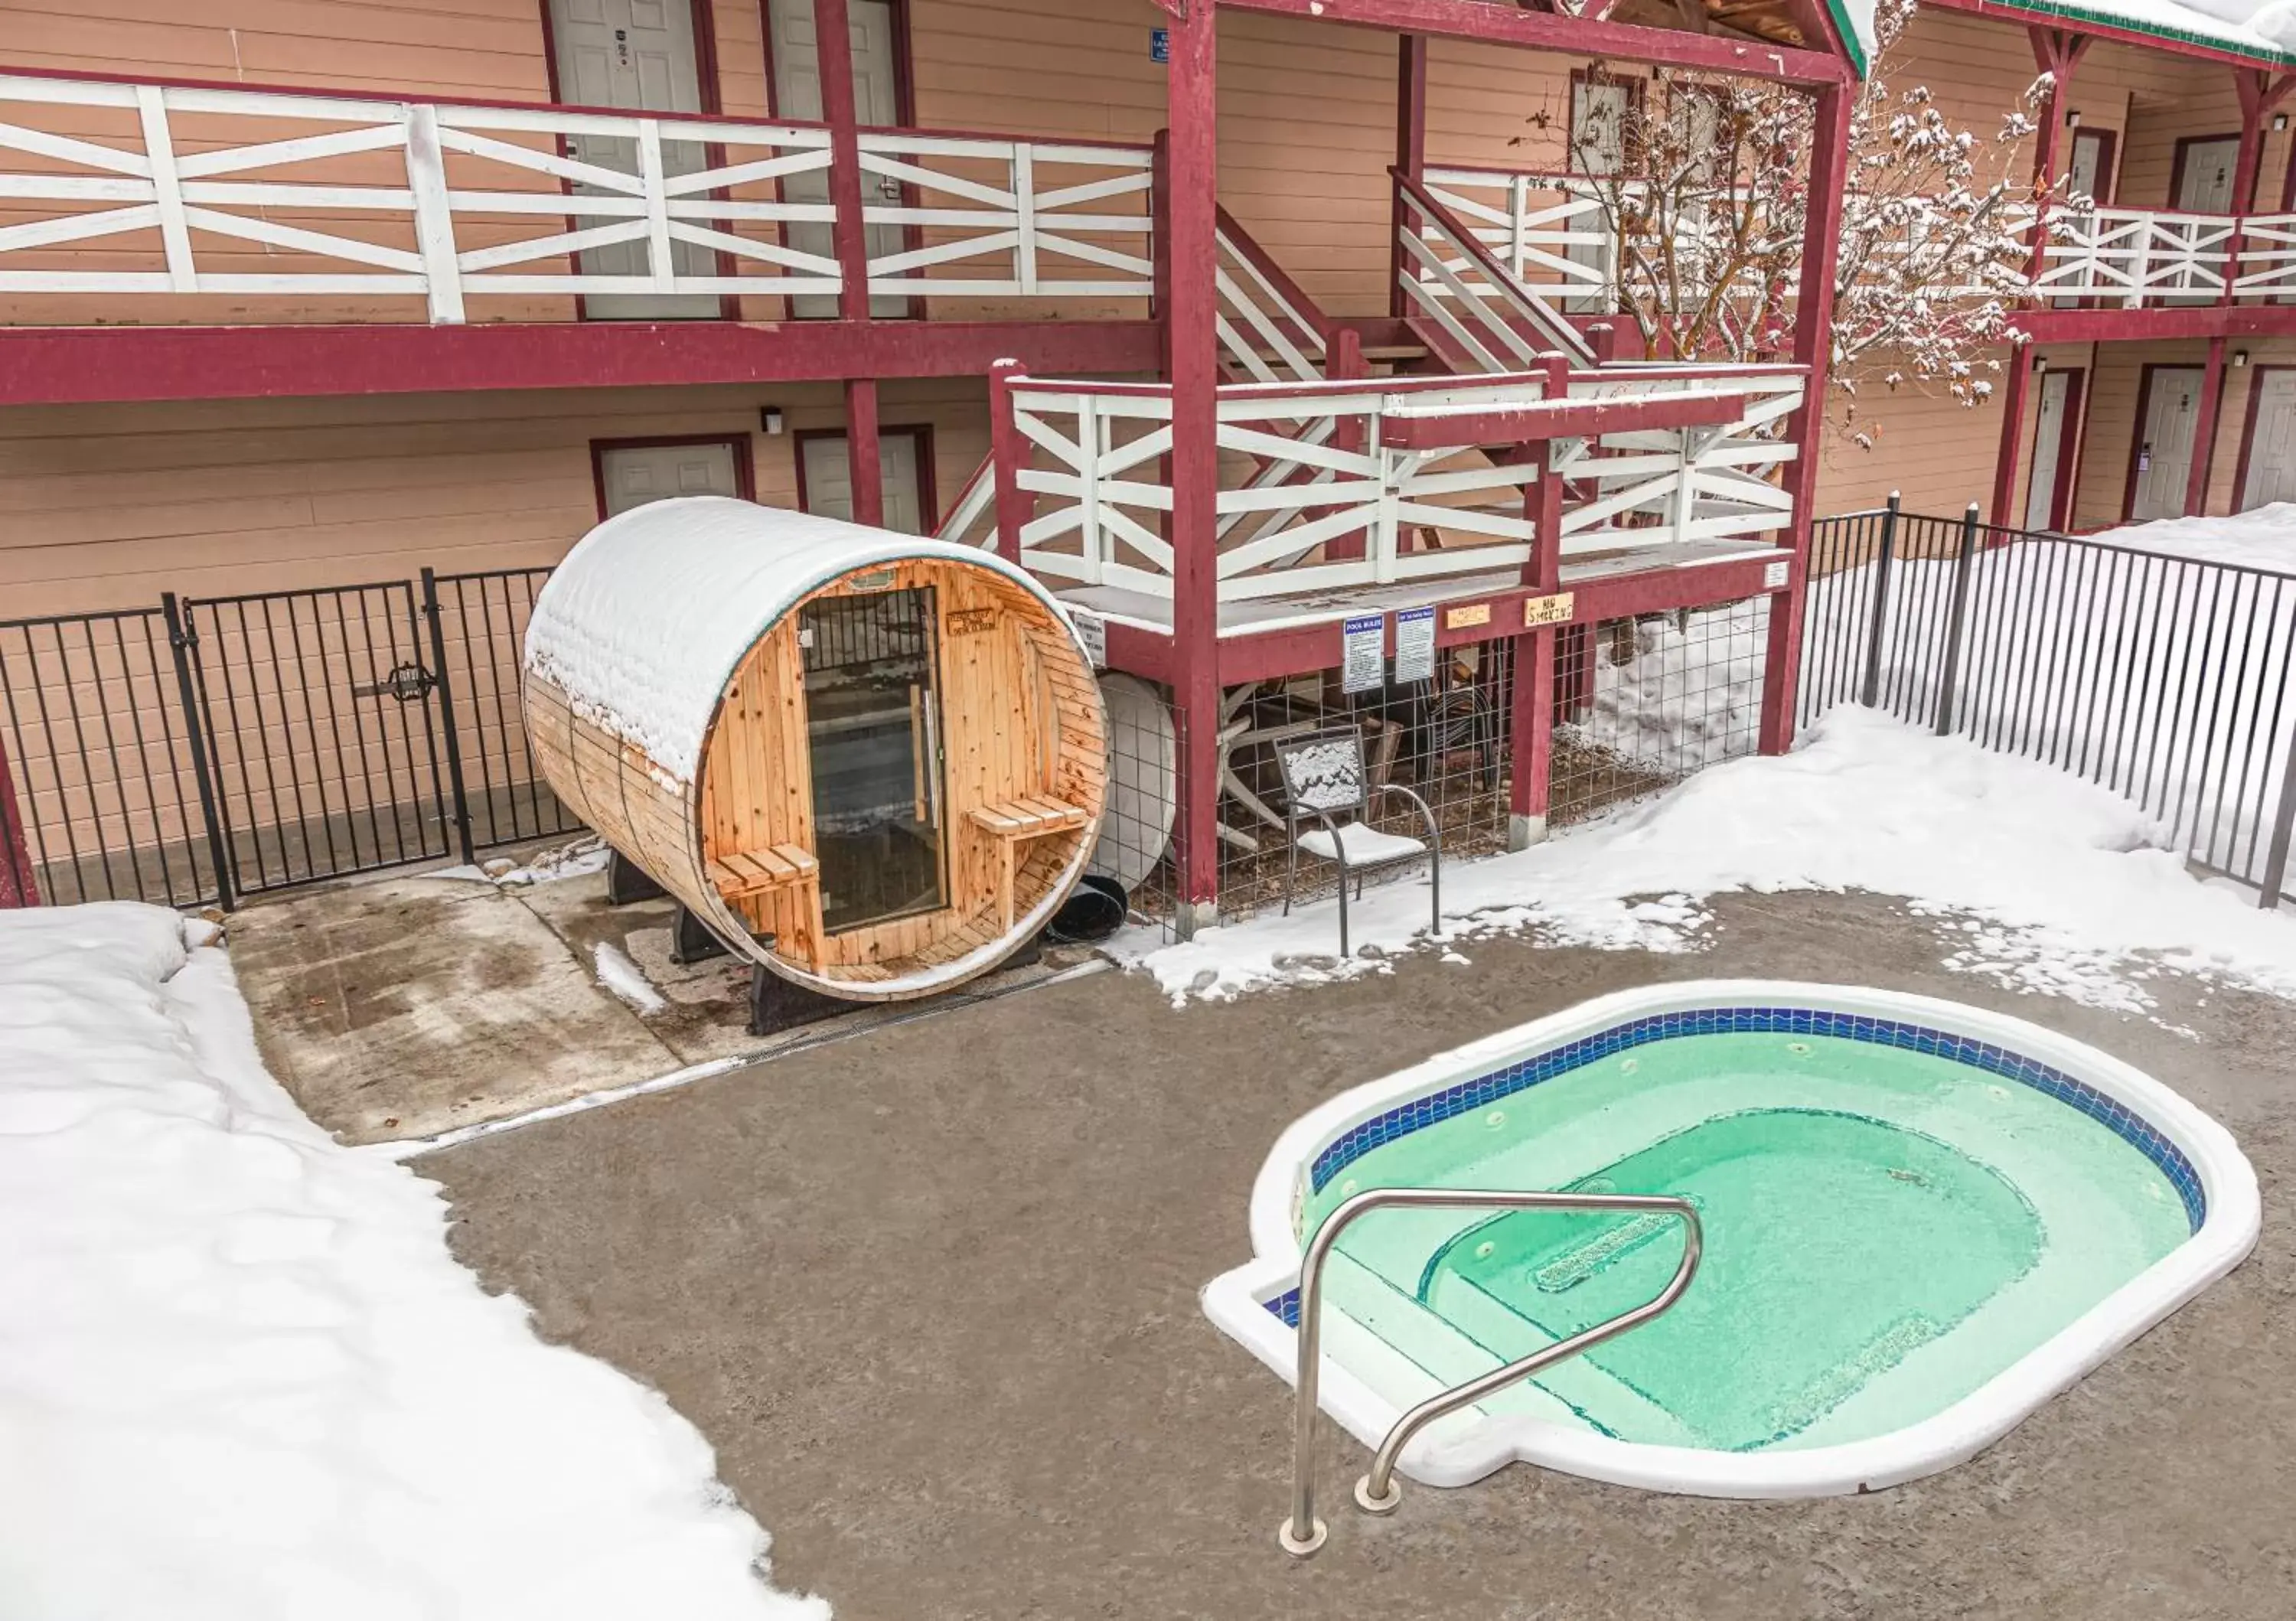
(1377, 1491)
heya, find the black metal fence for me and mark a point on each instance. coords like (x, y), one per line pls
(2162, 677)
(212, 748)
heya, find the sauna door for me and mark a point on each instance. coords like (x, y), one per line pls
(872, 732)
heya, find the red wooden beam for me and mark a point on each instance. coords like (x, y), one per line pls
(2132, 326)
(2204, 429)
(1813, 347)
(1410, 156)
(1301, 650)
(1570, 36)
(833, 53)
(861, 459)
(79, 364)
(1191, 314)
(2042, 13)
(1439, 427)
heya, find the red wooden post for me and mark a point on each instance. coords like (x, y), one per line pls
(861, 451)
(2204, 430)
(2013, 440)
(2056, 55)
(1191, 316)
(1410, 154)
(1009, 447)
(833, 34)
(1813, 346)
(16, 887)
(1531, 728)
(1343, 362)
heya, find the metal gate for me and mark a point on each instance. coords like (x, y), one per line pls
(320, 714)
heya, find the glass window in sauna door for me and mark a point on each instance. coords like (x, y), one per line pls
(873, 730)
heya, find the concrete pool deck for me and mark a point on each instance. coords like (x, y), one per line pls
(932, 1296)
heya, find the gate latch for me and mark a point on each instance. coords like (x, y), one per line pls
(408, 684)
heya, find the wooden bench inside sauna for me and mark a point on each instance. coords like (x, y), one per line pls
(874, 764)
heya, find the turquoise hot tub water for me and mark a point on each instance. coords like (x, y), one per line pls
(1885, 1230)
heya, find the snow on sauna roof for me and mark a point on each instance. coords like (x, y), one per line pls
(651, 613)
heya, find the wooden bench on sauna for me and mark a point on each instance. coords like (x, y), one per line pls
(1011, 822)
(746, 874)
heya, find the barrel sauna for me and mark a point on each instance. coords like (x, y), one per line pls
(873, 762)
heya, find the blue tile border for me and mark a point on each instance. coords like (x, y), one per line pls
(1457, 1100)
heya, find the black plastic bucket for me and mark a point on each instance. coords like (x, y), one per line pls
(1093, 910)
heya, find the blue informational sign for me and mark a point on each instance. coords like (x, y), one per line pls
(1160, 44)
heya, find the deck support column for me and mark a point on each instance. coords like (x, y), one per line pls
(861, 451)
(1191, 314)
(2204, 430)
(2055, 54)
(1530, 722)
(1813, 346)
(1410, 154)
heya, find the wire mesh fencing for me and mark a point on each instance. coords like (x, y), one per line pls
(2161, 677)
(1443, 739)
(1642, 703)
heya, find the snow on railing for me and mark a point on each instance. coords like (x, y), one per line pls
(1365, 511)
(1039, 210)
(158, 189)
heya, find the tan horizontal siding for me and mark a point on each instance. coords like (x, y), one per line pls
(108, 506)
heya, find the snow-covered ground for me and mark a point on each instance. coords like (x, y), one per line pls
(2042, 881)
(241, 1376)
(2161, 679)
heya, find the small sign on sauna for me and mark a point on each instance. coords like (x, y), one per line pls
(971, 621)
(1548, 609)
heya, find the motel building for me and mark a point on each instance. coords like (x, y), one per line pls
(326, 329)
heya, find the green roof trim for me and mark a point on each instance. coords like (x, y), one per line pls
(1855, 46)
(1850, 41)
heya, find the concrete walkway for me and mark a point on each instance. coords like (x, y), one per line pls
(406, 1006)
(932, 1294)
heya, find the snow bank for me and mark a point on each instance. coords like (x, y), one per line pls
(2051, 884)
(241, 1378)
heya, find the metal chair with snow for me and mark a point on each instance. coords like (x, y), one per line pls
(1324, 776)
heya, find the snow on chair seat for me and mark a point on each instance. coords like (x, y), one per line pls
(1324, 772)
(1366, 846)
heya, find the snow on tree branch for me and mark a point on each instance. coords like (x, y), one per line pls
(1702, 182)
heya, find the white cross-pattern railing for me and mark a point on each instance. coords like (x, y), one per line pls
(971, 520)
(2268, 257)
(1048, 216)
(1550, 231)
(1680, 486)
(1368, 513)
(1483, 319)
(1266, 330)
(2136, 256)
(433, 199)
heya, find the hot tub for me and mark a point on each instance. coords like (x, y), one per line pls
(1921, 1221)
